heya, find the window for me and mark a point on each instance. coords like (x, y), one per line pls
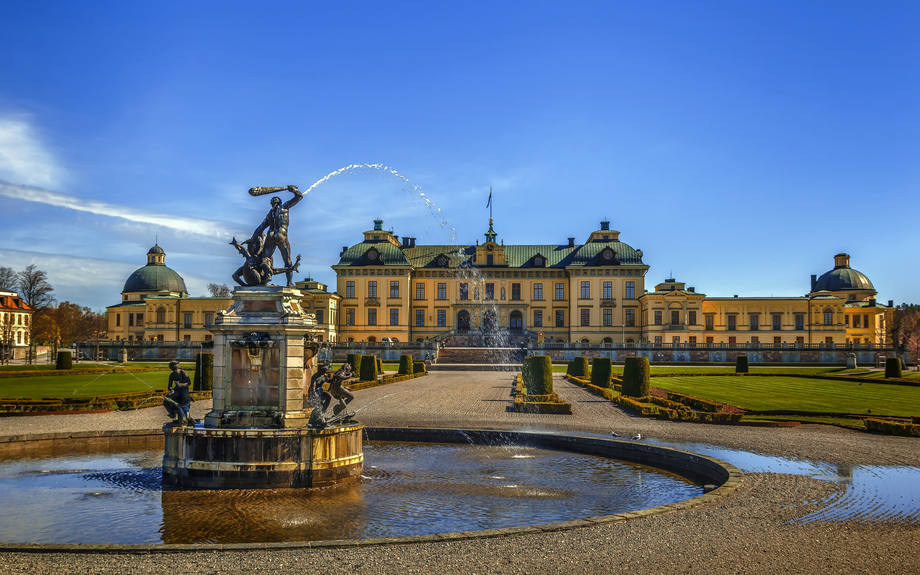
(464, 291)
(631, 317)
(691, 340)
(538, 318)
(657, 340)
(140, 320)
(560, 291)
(372, 289)
(372, 316)
(800, 339)
(209, 319)
(630, 290)
(755, 341)
(161, 315)
(710, 321)
(515, 291)
(585, 290)
(420, 290)
(846, 322)
(709, 340)
(117, 320)
(777, 340)
(732, 341)
(866, 321)
(442, 291)
(585, 317)
(560, 318)
(420, 318)
(675, 340)
(691, 318)
(828, 317)
(732, 323)
(350, 289)
(187, 320)
(777, 322)
(538, 292)
(829, 341)
(490, 260)
(490, 291)
(394, 316)
(675, 317)
(754, 320)
(608, 290)
(856, 323)
(538, 261)
(657, 318)
(394, 289)
(608, 317)
(208, 337)
(350, 316)
(319, 316)
(799, 323)
(130, 320)
(187, 339)
(442, 318)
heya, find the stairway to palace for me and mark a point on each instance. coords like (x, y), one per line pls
(478, 359)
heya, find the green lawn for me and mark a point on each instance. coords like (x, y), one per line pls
(618, 369)
(84, 385)
(800, 394)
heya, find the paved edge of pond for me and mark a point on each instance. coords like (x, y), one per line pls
(731, 481)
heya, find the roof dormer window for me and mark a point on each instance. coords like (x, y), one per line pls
(373, 256)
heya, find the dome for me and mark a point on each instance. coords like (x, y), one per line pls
(155, 278)
(156, 249)
(843, 278)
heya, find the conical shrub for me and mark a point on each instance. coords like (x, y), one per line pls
(355, 360)
(369, 368)
(601, 370)
(893, 367)
(578, 367)
(636, 380)
(405, 365)
(741, 364)
(538, 375)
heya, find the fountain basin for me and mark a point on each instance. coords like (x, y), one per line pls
(222, 458)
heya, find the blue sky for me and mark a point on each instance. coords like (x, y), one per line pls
(740, 145)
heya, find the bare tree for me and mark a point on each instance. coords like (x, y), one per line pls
(219, 290)
(6, 337)
(9, 280)
(903, 327)
(35, 291)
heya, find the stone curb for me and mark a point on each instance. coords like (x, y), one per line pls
(733, 482)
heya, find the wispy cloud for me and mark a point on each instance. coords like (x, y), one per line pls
(180, 223)
(23, 158)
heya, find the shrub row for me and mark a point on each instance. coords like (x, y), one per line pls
(122, 401)
(695, 402)
(578, 367)
(79, 371)
(393, 378)
(667, 403)
(699, 417)
(893, 427)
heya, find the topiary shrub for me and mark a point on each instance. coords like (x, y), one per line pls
(636, 382)
(355, 360)
(578, 367)
(892, 368)
(418, 367)
(64, 360)
(741, 364)
(368, 368)
(379, 365)
(538, 375)
(405, 365)
(204, 372)
(601, 370)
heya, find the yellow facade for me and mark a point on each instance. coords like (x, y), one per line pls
(15, 322)
(591, 293)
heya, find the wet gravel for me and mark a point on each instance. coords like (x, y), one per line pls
(748, 532)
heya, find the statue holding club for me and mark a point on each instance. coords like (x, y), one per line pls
(270, 234)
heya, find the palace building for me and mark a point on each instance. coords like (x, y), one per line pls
(591, 293)
(156, 307)
(15, 321)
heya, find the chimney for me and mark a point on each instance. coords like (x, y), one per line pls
(871, 302)
(344, 249)
(814, 281)
(891, 303)
(691, 289)
(571, 242)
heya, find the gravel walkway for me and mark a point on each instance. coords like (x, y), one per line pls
(746, 533)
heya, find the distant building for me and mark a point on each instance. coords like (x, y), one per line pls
(156, 307)
(589, 293)
(15, 322)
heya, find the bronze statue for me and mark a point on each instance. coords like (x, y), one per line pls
(271, 233)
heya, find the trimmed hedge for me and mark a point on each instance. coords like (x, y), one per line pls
(368, 368)
(204, 372)
(893, 368)
(578, 367)
(741, 364)
(392, 378)
(355, 359)
(405, 365)
(636, 380)
(538, 375)
(601, 370)
(379, 365)
(915, 420)
(64, 360)
(419, 367)
(893, 427)
(695, 402)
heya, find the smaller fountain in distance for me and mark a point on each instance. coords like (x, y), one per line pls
(259, 432)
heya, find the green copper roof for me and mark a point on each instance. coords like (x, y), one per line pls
(155, 278)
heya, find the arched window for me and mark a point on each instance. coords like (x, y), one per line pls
(828, 317)
(585, 340)
(371, 339)
(517, 320)
(351, 340)
(161, 315)
(463, 320)
(630, 340)
(419, 340)
(608, 340)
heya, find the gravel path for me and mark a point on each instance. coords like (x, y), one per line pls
(746, 533)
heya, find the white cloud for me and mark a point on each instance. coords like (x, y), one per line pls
(23, 158)
(179, 223)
